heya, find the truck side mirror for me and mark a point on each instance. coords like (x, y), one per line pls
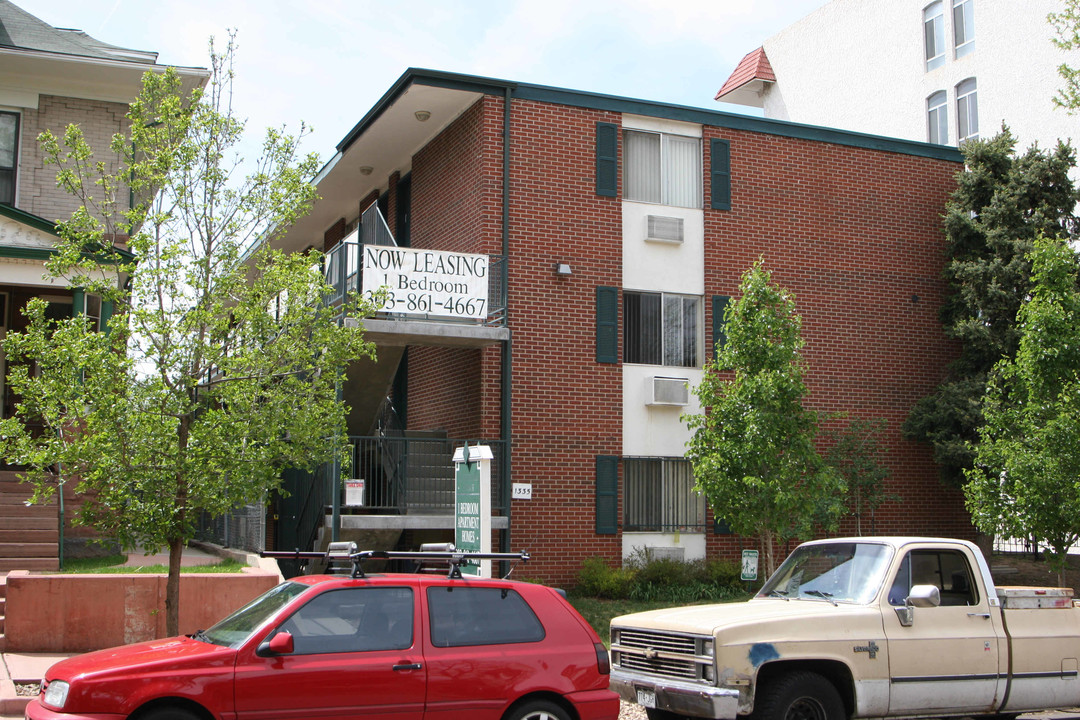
(924, 596)
(920, 596)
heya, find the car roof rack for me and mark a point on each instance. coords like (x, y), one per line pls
(340, 555)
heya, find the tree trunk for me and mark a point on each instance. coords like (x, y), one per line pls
(172, 588)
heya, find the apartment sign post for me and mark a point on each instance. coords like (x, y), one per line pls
(472, 504)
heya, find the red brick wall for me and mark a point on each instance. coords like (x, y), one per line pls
(567, 408)
(855, 233)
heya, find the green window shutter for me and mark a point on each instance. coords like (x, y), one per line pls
(607, 159)
(719, 305)
(607, 495)
(721, 174)
(78, 302)
(607, 324)
(720, 526)
(106, 313)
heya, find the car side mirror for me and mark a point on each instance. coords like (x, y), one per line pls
(280, 644)
(920, 596)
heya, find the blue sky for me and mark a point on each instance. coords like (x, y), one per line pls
(326, 62)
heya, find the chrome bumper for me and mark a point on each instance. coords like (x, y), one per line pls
(681, 698)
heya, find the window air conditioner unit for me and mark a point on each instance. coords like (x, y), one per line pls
(667, 391)
(664, 229)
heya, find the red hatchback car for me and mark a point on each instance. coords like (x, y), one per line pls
(396, 646)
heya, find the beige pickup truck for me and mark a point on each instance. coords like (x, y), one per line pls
(858, 628)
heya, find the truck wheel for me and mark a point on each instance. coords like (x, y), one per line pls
(655, 714)
(799, 696)
(537, 710)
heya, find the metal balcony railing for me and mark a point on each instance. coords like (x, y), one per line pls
(344, 273)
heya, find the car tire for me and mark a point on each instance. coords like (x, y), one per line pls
(169, 713)
(798, 696)
(537, 710)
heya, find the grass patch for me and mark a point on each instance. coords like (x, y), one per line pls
(598, 612)
(114, 564)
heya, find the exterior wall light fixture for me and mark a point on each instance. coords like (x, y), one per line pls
(563, 268)
(422, 115)
(366, 169)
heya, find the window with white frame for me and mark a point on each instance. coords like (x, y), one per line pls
(9, 151)
(660, 497)
(967, 111)
(937, 118)
(662, 168)
(661, 329)
(963, 23)
(934, 35)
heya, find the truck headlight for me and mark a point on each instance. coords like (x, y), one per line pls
(56, 694)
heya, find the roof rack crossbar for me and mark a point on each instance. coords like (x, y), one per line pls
(455, 558)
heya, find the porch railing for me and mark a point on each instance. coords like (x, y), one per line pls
(414, 475)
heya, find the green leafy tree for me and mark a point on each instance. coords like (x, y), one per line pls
(753, 448)
(1002, 202)
(1025, 480)
(1067, 26)
(856, 455)
(217, 370)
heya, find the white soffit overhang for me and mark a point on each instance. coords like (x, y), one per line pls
(386, 145)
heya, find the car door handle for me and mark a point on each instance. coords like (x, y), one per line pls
(982, 615)
(408, 666)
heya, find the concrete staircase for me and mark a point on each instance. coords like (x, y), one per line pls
(430, 486)
(29, 537)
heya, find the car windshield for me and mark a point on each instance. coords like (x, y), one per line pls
(848, 572)
(238, 627)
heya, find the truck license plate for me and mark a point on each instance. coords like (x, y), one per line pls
(646, 698)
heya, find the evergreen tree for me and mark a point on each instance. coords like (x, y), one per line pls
(1002, 202)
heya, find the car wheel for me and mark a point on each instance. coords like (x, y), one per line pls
(169, 713)
(798, 696)
(537, 710)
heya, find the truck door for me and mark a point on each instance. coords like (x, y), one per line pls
(947, 659)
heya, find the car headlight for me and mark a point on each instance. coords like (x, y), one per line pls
(56, 694)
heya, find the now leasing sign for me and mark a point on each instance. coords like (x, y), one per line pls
(427, 282)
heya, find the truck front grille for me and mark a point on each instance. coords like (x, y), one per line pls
(663, 654)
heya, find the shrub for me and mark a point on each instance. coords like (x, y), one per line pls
(645, 578)
(598, 579)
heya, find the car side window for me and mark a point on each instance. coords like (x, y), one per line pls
(480, 616)
(353, 620)
(947, 570)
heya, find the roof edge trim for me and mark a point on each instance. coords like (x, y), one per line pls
(649, 108)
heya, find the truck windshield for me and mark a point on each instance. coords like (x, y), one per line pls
(833, 572)
(238, 627)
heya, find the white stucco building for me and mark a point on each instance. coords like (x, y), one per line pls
(937, 71)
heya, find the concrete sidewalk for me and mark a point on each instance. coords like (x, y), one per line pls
(28, 668)
(21, 669)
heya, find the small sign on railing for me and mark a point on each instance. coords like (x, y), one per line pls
(354, 492)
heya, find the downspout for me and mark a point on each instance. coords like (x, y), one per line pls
(506, 365)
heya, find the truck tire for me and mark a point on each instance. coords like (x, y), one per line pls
(654, 714)
(798, 696)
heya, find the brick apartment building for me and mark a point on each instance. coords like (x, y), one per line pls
(616, 230)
